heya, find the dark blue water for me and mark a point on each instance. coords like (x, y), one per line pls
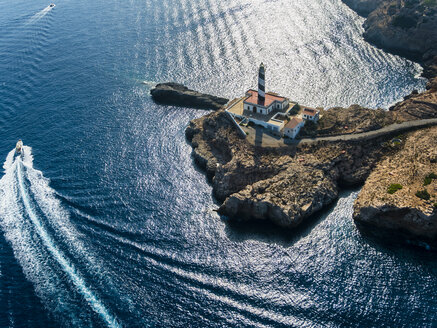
(107, 222)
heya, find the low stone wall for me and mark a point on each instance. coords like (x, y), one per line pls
(239, 129)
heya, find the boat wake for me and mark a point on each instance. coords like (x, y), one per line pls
(39, 15)
(41, 237)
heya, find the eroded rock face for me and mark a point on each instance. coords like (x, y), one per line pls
(363, 7)
(403, 211)
(285, 199)
(177, 94)
(284, 185)
(405, 27)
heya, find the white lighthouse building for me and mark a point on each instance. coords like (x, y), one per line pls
(269, 110)
(261, 102)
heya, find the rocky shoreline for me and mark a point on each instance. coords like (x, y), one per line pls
(406, 171)
(287, 185)
(408, 28)
(284, 185)
(171, 93)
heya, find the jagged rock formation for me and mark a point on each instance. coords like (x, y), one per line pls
(177, 94)
(404, 27)
(285, 185)
(288, 184)
(403, 211)
(363, 7)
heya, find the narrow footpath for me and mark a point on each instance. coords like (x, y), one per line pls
(258, 136)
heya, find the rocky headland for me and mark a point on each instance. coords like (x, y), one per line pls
(408, 28)
(400, 193)
(288, 184)
(171, 93)
(284, 185)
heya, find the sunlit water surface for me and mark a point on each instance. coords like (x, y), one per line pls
(107, 222)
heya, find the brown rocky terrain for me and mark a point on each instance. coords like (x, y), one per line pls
(357, 119)
(284, 185)
(408, 28)
(354, 119)
(403, 210)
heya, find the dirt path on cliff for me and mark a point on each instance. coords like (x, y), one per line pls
(258, 136)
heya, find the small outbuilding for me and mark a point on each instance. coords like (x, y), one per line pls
(310, 114)
(292, 128)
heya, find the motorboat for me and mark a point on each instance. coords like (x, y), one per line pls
(52, 5)
(19, 147)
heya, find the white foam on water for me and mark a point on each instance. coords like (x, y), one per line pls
(39, 15)
(20, 221)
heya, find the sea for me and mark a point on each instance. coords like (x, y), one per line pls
(107, 222)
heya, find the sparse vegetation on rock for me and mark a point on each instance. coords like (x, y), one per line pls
(428, 179)
(405, 210)
(393, 188)
(423, 194)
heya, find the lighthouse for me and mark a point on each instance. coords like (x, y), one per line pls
(261, 83)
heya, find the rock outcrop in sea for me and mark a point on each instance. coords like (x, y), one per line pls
(286, 185)
(177, 94)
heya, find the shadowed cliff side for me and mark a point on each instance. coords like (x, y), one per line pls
(171, 93)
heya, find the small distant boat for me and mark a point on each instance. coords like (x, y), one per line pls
(52, 5)
(19, 147)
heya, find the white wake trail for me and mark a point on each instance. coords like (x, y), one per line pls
(39, 15)
(19, 217)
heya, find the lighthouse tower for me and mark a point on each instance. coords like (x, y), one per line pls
(261, 83)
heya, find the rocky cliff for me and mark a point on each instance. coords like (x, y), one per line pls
(400, 193)
(284, 185)
(406, 27)
(177, 94)
(409, 28)
(363, 7)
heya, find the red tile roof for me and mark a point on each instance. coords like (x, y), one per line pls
(293, 123)
(309, 111)
(253, 98)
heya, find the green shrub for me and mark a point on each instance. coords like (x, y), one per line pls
(435, 204)
(428, 179)
(393, 188)
(423, 194)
